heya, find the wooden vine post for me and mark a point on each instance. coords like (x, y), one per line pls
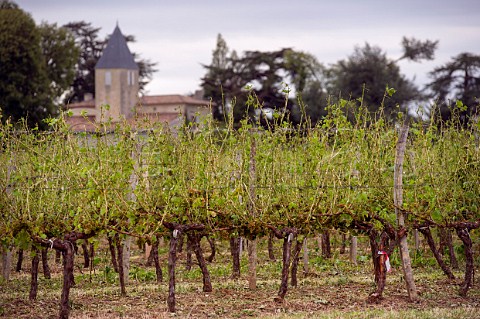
(400, 215)
(252, 244)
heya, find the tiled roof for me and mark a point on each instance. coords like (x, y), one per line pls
(90, 104)
(116, 55)
(172, 99)
(144, 121)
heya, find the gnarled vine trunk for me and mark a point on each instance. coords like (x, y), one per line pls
(19, 260)
(86, 255)
(121, 274)
(379, 259)
(464, 235)
(34, 275)
(213, 249)
(46, 268)
(177, 231)
(296, 258)
(288, 234)
(438, 257)
(271, 254)
(68, 262)
(113, 254)
(195, 240)
(158, 269)
(235, 252)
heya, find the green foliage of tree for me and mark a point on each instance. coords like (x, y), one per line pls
(60, 55)
(457, 80)
(24, 87)
(268, 75)
(91, 47)
(219, 81)
(36, 66)
(416, 50)
(365, 75)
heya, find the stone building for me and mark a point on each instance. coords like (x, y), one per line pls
(116, 85)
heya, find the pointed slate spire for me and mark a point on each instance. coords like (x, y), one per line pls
(116, 55)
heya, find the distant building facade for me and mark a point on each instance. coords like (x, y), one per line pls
(116, 85)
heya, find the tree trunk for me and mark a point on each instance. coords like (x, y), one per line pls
(296, 259)
(113, 254)
(326, 248)
(68, 262)
(431, 243)
(46, 268)
(19, 261)
(172, 259)
(121, 274)
(158, 269)
(353, 249)
(235, 252)
(271, 254)
(398, 202)
(464, 235)
(34, 275)
(195, 240)
(213, 250)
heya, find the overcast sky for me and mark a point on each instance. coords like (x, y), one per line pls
(180, 35)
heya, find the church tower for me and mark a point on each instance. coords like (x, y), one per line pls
(116, 79)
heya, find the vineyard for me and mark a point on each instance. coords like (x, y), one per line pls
(281, 184)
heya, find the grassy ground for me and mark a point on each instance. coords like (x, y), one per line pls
(333, 289)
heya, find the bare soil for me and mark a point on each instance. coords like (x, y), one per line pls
(332, 286)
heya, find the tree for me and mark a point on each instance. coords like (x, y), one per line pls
(269, 77)
(23, 77)
(457, 80)
(91, 48)
(365, 75)
(312, 103)
(60, 54)
(215, 81)
(416, 50)
(36, 66)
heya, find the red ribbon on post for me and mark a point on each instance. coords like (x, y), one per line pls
(387, 260)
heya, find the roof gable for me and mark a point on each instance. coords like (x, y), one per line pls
(116, 54)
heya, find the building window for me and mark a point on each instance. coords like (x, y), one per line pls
(131, 77)
(108, 78)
